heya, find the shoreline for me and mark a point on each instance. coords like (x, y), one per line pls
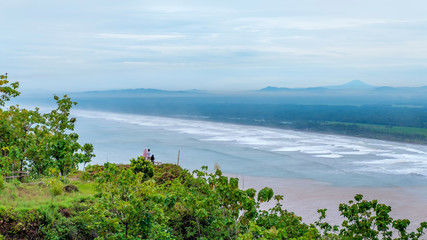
(275, 126)
(304, 197)
(270, 126)
(301, 196)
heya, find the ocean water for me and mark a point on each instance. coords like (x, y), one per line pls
(254, 151)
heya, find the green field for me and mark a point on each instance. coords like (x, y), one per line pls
(386, 129)
(36, 194)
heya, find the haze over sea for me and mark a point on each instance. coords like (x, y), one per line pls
(254, 150)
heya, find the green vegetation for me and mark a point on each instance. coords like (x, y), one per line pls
(2, 185)
(387, 128)
(143, 166)
(35, 141)
(375, 131)
(142, 201)
(36, 194)
(176, 204)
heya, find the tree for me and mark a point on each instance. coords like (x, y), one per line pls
(87, 154)
(62, 142)
(39, 141)
(365, 219)
(7, 90)
(211, 206)
(20, 133)
(127, 206)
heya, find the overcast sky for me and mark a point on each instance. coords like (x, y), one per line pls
(75, 45)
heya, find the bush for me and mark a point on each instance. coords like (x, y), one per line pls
(166, 172)
(19, 224)
(55, 186)
(142, 165)
(60, 223)
(16, 182)
(92, 172)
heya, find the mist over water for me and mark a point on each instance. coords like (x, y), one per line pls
(255, 151)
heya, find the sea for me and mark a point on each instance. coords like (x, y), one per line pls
(256, 151)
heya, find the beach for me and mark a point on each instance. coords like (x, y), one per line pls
(313, 171)
(254, 150)
(304, 197)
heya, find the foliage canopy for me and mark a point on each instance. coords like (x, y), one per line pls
(35, 141)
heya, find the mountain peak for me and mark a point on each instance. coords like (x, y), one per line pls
(356, 84)
(273, 89)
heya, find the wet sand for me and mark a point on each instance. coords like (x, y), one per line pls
(304, 197)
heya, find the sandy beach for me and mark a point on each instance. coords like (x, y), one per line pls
(304, 197)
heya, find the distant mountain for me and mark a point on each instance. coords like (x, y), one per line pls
(137, 92)
(274, 89)
(284, 89)
(355, 84)
(355, 88)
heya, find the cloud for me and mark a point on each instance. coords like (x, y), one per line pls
(255, 49)
(155, 64)
(139, 37)
(176, 40)
(266, 23)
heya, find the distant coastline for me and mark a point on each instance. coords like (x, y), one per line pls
(369, 131)
(368, 121)
(353, 109)
(241, 149)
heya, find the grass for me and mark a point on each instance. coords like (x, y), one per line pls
(388, 129)
(33, 195)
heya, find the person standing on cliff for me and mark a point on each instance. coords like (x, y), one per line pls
(144, 154)
(148, 155)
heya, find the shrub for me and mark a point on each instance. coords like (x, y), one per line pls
(143, 166)
(92, 172)
(54, 225)
(55, 186)
(166, 172)
(19, 224)
(16, 182)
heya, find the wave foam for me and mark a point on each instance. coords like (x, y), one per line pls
(378, 156)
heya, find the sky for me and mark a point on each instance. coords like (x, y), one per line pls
(78, 45)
